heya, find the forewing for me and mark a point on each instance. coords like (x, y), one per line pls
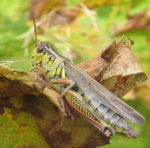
(83, 80)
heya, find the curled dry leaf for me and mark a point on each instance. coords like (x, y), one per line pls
(116, 68)
(24, 95)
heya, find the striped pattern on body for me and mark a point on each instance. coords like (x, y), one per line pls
(112, 120)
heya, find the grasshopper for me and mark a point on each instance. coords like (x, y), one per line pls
(88, 97)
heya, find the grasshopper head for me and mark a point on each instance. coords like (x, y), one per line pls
(43, 54)
(39, 51)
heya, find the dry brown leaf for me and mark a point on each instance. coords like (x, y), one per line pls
(116, 68)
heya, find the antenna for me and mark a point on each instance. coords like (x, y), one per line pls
(35, 30)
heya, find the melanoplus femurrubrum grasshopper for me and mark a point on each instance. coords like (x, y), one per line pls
(92, 100)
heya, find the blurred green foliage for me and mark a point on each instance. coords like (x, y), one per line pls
(14, 26)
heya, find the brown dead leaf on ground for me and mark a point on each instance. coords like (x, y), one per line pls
(29, 93)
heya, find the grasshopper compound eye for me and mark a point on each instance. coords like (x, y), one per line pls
(41, 48)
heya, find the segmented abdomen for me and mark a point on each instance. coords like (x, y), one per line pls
(111, 118)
